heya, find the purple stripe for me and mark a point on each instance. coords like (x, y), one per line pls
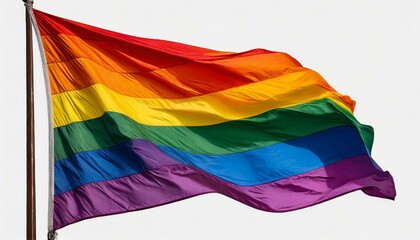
(175, 182)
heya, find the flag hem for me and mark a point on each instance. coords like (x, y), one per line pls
(50, 124)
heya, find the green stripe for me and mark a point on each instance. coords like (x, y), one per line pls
(274, 126)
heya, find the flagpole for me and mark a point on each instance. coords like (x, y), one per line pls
(30, 133)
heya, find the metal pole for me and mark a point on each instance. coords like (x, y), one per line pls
(30, 133)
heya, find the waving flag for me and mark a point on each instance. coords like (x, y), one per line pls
(142, 122)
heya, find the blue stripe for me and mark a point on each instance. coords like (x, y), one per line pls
(95, 166)
(246, 168)
(277, 161)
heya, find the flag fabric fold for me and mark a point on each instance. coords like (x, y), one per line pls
(142, 122)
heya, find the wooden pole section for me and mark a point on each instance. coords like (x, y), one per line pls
(30, 133)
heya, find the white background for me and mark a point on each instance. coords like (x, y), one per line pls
(366, 49)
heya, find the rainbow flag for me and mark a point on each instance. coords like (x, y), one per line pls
(139, 122)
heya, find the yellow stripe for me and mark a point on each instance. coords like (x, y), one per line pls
(231, 104)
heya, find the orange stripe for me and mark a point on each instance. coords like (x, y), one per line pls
(92, 62)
